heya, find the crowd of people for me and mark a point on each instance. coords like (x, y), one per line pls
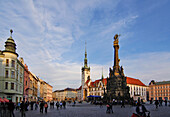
(7, 108)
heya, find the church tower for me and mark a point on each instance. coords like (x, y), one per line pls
(85, 77)
(116, 83)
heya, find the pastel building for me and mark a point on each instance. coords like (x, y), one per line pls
(11, 72)
(65, 94)
(159, 90)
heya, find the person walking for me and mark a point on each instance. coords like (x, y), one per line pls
(57, 105)
(165, 102)
(64, 104)
(101, 104)
(110, 106)
(156, 103)
(41, 107)
(123, 104)
(11, 108)
(22, 108)
(61, 105)
(46, 107)
(36, 105)
(32, 104)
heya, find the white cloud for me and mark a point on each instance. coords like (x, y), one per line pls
(148, 66)
(45, 30)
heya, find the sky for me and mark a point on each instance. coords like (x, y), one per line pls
(50, 35)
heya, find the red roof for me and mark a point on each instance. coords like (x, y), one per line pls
(87, 82)
(134, 81)
(96, 82)
(79, 88)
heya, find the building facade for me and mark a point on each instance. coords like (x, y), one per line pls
(137, 89)
(67, 94)
(26, 83)
(11, 72)
(159, 90)
(49, 92)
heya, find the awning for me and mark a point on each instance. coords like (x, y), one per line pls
(6, 100)
(1, 100)
(96, 96)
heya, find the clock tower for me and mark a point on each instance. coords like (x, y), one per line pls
(85, 77)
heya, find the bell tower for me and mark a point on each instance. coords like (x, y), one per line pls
(85, 76)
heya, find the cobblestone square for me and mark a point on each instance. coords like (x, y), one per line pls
(88, 110)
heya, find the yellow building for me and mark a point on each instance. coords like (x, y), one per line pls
(49, 92)
(11, 72)
(159, 90)
(33, 87)
(66, 94)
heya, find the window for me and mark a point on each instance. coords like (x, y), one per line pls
(7, 62)
(17, 67)
(6, 74)
(20, 89)
(16, 87)
(6, 85)
(20, 79)
(17, 76)
(12, 74)
(13, 63)
(12, 85)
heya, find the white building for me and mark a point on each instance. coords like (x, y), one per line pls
(11, 72)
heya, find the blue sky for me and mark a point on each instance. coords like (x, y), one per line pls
(51, 35)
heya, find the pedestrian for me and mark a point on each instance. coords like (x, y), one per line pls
(57, 105)
(53, 104)
(61, 105)
(22, 108)
(32, 104)
(36, 105)
(64, 104)
(41, 106)
(11, 108)
(165, 102)
(46, 107)
(156, 103)
(108, 108)
(101, 104)
(2, 110)
(123, 103)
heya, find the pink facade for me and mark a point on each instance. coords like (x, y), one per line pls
(26, 83)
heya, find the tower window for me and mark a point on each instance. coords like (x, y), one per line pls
(12, 74)
(7, 62)
(13, 63)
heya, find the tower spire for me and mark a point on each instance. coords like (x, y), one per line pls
(85, 59)
(11, 32)
(102, 73)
